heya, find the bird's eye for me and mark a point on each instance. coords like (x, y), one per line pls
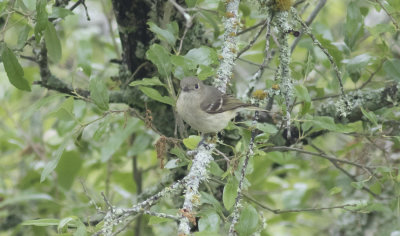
(196, 86)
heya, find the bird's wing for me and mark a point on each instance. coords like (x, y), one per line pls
(216, 102)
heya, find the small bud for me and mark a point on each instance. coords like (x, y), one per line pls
(260, 94)
(229, 14)
(283, 5)
(275, 86)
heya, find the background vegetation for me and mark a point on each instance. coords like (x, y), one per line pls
(88, 127)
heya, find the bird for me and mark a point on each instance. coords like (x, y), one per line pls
(205, 108)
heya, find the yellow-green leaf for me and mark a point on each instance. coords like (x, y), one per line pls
(154, 94)
(14, 70)
(52, 43)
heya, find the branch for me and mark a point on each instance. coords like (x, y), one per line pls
(324, 50)
(387, 12)
(229, 47)
(197, 174)
(248, 46)
(286, 84)
(352, 177)
(371, 100)
(115, 216)
(251, 28)
(308, 22)
(322, 155)
(249, 154)
(279, 211)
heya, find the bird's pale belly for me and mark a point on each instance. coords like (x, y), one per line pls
(201, 120)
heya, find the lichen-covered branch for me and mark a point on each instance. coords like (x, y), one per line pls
(249, 154)
(370, 100)
(115, 216)
(229, 47)
(286, 85)
(197, 174)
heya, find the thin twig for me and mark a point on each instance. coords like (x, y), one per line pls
(308, 22)
(251, 28)
(373, 74)
(284, 148)
(248, 46)
(324, 50)
(387, 12)
(279, 211)
(352, 177)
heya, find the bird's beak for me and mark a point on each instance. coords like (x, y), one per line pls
(185, 89)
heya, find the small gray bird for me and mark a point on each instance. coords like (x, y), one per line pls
(204, 107)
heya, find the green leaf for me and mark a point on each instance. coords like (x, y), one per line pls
(59, 12)
(117, 138)
(65, 112)
(25, 198)
(53, 43)
(41, 17)
(153, 220)
(357, 185)
(185, 63)
(159, 56)
(52, 164)
(230, 193)
(162, 34)
(215, 169)
(335, 190)
(81, 228)
(248, 221)
(354, 25)
(68, 168)
(102, 128)
(202, 56)
(23, 35)
(157, 220)
(192, 141)
(326, 122)
(14, 70)
(392, 68)
(378, 29)
(376, 188)
(148, 82)
(302, 93)
(206, 233)
(190, 3)
(212, 20)
(207, 198)
(64, 222)
(99, 92)
(209, 222)
(154, 94)
(204, 72)
(267, 128)
(356, 66)
(332, 49)
(370, 116)
(42, 222)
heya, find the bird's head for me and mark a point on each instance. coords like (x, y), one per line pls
(191, 84)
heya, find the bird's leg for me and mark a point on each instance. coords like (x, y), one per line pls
(207, 138)
(203, 140)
